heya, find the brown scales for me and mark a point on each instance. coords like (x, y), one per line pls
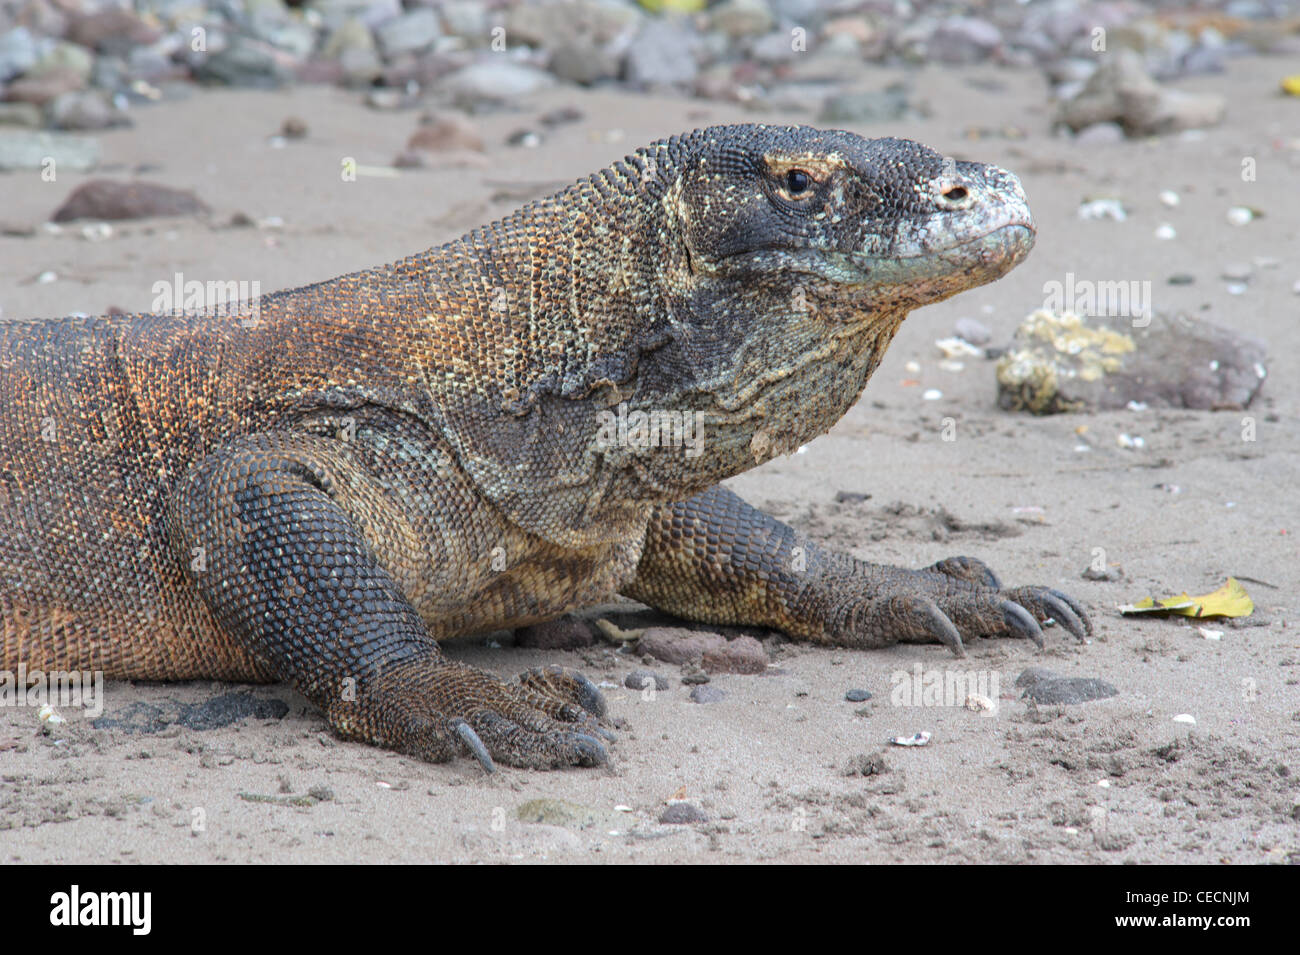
(320, 490)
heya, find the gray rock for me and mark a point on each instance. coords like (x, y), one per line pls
(1065, 363)
(857, 696)
(742, 18)
(1044, 686)
(20, 114)
(1121, 91)
(20, 149)
(583, 62)
(682, 814)
(874, 106)
(85, 109)
(1100, 134)
(663, 54)
(245, 63)
(963, 40)
(493, 82)
(467, 19)
(640, 679)
(707, 694)
(409, 33)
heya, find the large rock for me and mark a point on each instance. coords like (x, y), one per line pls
(664, 54)
(1121, 91)
(110, 199)
(1062, 362)
(409, 33)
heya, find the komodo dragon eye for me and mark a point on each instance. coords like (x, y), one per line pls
(797, 182)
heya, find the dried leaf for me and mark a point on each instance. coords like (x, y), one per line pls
(1230, 600)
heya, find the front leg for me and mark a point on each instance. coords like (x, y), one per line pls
(716, 559)
(298, 552)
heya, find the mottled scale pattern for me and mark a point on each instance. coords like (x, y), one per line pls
(321, 487)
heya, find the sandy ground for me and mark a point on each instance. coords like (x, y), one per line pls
(1105, 782)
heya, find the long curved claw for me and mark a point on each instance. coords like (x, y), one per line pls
(943, 630)
(474, 745)
(1078, 611)
(1064, 615)
(607, 735)
(1021, 622)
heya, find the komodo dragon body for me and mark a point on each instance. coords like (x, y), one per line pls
(422, 450)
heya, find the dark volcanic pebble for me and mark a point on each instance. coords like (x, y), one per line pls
(1044, 686)
(857, 696)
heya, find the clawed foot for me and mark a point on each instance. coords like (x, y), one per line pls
(958, 599)
(437, 709)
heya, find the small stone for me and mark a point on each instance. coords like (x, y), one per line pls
(1240, 215)
(741, 655)
(110, 199)
(1181, 278)
(565, 633)
(1092, 573)
(1165, 232)
(1238, 271)
(662, 55)
(641, 679)
(682, 814)
(294, 127)
(85, 109)
(491, 83)
(707, 694)
(409, 33)
(321, 793)
(972, 330)
(742, 18)
(857, 696)
(1170, 198)
(445, 132)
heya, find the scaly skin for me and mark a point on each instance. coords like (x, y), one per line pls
(321, 491)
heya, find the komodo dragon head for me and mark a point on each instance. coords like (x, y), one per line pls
(711, 301)
(791, 255)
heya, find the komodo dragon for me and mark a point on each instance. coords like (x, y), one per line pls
(419, 451)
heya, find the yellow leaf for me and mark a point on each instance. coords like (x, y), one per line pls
(1230, 600)
(1291, 84)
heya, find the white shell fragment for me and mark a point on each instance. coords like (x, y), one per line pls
(916, 739)
(1185, 718)
(47, 714)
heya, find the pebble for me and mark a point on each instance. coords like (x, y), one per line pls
(707, 694)
(916, 739)
(682, 814)
(1181, 278)
(1165, 231)
(111, 199)
(663, 55)
(640, 679)
(1170, 198)
(1240, 215)
(1103, 208)
(857, 696)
